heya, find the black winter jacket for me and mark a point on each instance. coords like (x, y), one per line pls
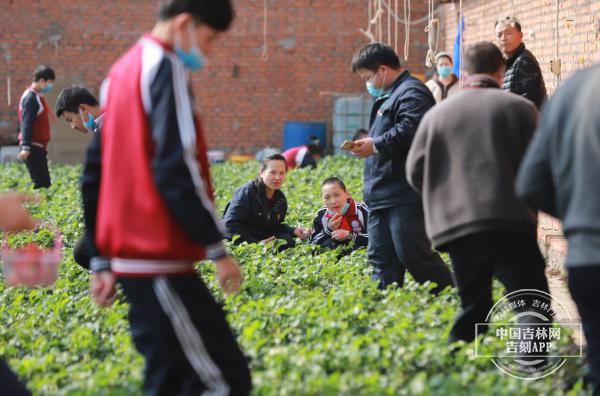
(524, 77)
(394, 121)
(249, 215)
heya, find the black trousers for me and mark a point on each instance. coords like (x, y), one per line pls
(37, 165)
(398, 242)
(513, 258)
(584, 285)
(181, 331)
(80, 252)
(9, 383)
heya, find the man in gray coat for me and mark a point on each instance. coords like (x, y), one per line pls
(561, 176)
(464, 160)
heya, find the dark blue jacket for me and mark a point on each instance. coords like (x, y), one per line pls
(394, 121)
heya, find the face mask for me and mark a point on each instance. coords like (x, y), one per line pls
(345, 208)
(343, 211)
(47, 88)
(90, 124)
(444, 71)
(373, 90)
(192, 59)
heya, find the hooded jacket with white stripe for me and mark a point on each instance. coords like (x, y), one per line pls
(149, 176)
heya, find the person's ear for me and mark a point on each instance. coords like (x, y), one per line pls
(181, 22)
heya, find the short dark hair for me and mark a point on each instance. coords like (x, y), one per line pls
(373, 55)
(359, 132)
(314, 147)
(508, 21)
(216, 14)
(483, 58)
(70, 98)
(272, 157)
(446, 55)
(43, 72)
(334, 180)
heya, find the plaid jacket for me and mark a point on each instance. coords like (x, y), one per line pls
(524, 76)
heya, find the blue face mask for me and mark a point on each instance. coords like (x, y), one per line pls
(47, 88)
(90, 124)
(444, 71)
(343, 211)
(192, 59)
(373, 90)
(345, 208)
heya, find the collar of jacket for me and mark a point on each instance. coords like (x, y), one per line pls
(261, 191)
(403, 76)
(510, 60)
(441, 84)
(161, 42)
(37, 91)
(99, 121)
(481, 81)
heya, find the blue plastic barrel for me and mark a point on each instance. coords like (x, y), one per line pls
(298, 133)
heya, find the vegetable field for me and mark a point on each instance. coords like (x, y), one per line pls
(310, 324)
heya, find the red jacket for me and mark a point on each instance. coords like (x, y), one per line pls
(33, 119)
(155, 210)
(296, 156)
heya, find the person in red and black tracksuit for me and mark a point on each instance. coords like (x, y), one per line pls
(342, 221)
(149, 211)
(35, 126)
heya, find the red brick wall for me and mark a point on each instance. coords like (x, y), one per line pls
(579, 46)
(310, 45)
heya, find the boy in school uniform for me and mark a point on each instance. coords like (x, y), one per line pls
(342, 221)
(34, 122)
(80, 108)
(149, 207)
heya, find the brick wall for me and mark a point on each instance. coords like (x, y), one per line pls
(578, 47)
(244, 100)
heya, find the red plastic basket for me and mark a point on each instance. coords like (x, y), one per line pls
(32, 266)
